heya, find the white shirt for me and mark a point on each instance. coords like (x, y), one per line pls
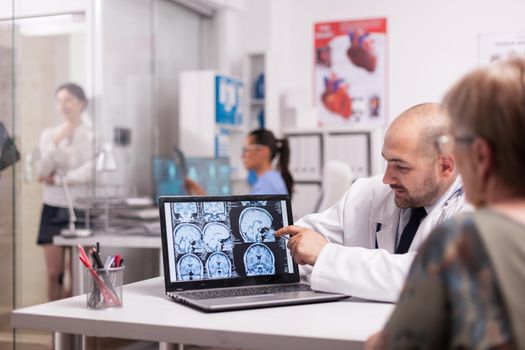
(70, 160)
(349, 263)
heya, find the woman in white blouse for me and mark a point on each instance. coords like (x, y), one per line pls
(66, 151)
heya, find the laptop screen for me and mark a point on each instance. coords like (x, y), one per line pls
(225, 240)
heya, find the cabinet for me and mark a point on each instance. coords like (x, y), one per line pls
(312, 148)
(211, 117)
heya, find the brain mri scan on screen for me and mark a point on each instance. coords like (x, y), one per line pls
(188, 239)
(215, 211)
(218, 265)
(217, 237)
(256, 225)
(185, 212)
(190, 268)
(227, 239)
(259, 260)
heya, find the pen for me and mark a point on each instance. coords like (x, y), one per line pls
(285, 237)
(96, 258)
(98, 254)
(117, 259)
(109, 261)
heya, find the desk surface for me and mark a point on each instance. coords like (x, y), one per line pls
(148, 314)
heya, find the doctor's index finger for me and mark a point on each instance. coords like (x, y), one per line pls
(288, 230)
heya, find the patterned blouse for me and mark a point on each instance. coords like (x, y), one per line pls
(451, 299)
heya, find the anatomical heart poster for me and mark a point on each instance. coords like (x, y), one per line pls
(350, 72)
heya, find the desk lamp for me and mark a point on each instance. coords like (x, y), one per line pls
(105, 162)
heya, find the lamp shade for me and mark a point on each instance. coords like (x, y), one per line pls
(106, 159)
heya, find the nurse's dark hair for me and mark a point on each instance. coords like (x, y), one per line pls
(75, 90)
(279, 147)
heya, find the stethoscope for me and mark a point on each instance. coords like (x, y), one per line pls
(448, 209)
(454, 201)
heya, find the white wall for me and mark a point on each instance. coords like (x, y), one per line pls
(41, 7)
(170, 60)
(430, 43)
(229, 47)
(124, 83)
(255, 22)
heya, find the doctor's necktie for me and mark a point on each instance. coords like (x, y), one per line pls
(416, 215)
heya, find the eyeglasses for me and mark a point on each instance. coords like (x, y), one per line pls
(250, 148)
(446, 143)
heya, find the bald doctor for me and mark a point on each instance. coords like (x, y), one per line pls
(365, 243)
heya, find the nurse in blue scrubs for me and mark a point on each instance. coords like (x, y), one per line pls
(259, 152)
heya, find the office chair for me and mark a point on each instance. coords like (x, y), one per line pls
(337, 178)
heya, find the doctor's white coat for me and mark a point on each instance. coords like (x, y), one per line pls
(349, 263)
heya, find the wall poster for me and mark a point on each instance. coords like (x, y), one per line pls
(228, 100)
(493, 47)
(350, 73)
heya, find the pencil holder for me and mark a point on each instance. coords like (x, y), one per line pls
(104, 287)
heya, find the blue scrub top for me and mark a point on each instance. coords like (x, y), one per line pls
(271, 182)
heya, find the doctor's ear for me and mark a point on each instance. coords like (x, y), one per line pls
(446, 164)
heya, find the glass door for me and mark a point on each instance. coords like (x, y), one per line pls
(7, 181)
(42, 52)
(127, 55)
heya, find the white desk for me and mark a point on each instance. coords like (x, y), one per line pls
(148, 315)
(106, 240)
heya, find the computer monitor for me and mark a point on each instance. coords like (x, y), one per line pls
(168, 178)
(213, 174)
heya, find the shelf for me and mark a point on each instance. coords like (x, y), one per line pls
(238, 178)
(307, 181)
(232, 128)
(332, 130)
(257, 102)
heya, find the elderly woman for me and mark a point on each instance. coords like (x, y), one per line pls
(465, 287)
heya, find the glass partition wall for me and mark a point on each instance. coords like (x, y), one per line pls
(127, 55)
(7, 182)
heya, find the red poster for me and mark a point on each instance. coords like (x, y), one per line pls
(350, 72)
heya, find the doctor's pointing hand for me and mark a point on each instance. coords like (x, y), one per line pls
(305, 244)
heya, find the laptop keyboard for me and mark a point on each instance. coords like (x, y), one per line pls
(245, 291)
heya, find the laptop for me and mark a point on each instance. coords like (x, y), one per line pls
(220, 253)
